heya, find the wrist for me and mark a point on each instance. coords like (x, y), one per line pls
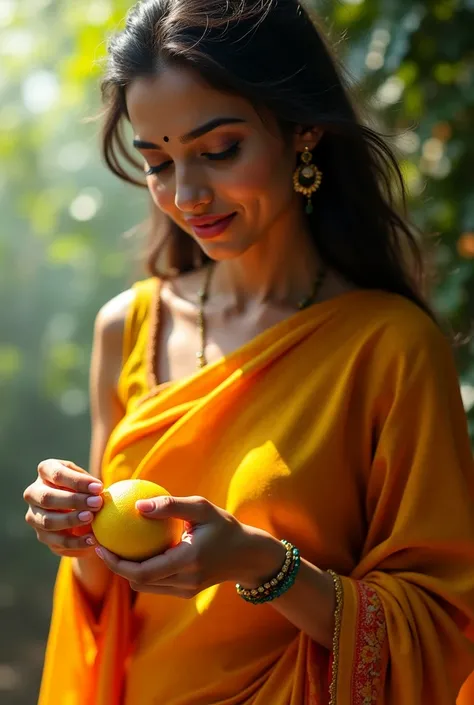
(263, 557)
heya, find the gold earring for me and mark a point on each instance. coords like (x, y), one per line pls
(307, 178)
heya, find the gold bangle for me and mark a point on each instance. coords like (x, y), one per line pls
(335, 639)
(273, 582)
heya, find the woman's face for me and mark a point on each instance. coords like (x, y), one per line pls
(218, 171)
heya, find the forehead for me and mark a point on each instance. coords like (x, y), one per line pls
(176, 101)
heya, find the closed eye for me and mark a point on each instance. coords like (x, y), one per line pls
(226, 154)
(229, 153)
(157, 169)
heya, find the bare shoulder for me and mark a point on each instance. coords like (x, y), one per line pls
(105, 368)
(107, 348)
(110, 320)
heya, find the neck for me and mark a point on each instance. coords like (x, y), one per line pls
(282, 267)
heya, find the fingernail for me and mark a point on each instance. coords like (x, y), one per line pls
(95, 487)
(85, 516)
(94, 501)
(99, 553)
(90, 540)
(145, 505)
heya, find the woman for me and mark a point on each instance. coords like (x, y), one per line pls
(283, 379)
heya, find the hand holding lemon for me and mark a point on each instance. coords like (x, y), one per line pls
(125, 531)
(214, 548)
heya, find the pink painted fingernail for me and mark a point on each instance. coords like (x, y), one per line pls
(95, 487)
(90, 541)
(94, 502)
(99, 553)
(85, 516)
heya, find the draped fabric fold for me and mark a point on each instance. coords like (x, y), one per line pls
(85, 658)
(342, 430)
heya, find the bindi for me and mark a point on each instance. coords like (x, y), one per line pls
(166, 139)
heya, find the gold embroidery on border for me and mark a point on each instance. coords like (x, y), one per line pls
(370, 641)
(335, 639)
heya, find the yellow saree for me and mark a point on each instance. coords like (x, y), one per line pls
(342, 430)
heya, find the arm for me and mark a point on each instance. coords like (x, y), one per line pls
(401, 630)
(106, 412)
(405, 625)
(310, 604)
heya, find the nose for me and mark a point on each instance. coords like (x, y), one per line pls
(191, 191)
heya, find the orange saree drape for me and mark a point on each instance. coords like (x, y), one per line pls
(342, 430)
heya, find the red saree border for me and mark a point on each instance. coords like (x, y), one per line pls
(371, 634)
(367, 656)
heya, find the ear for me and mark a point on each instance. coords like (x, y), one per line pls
(307, 137)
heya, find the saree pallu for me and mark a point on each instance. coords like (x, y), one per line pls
(342, 430)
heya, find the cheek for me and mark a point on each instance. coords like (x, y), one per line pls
(162, 196)
(264, 178)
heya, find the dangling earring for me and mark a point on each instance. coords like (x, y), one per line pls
(307, 178)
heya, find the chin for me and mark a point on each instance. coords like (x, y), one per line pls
(222, 251)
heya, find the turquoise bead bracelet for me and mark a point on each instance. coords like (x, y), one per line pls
(277, 586)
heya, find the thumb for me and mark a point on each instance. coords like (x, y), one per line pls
(195, 510)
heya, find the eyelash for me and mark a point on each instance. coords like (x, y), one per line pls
(229, 153)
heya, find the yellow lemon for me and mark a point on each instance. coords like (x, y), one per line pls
(121, 528)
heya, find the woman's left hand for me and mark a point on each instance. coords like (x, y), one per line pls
(215, 548)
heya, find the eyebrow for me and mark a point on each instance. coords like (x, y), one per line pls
(194, 134)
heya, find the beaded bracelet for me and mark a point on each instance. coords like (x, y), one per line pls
(278, 585)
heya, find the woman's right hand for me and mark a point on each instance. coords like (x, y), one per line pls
(61, 505)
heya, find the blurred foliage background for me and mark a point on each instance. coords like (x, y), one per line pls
(63, 252)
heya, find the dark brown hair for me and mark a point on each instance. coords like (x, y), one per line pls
(272, 53)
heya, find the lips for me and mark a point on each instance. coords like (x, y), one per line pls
(208, 226)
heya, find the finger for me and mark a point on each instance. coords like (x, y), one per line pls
(165, 590)
(49, 497)
(172, 561)
(171, 582)
(73, 466)
(60, 541)
(61, 475)
(46, 520)
(196, 510)
(130, 570)
(179, 581)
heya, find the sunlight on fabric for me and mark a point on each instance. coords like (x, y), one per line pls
(205, 598)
